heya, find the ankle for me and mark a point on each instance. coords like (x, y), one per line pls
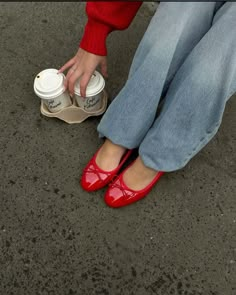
(113, 149)
(109, 156)
(139, 164)
(138, 176)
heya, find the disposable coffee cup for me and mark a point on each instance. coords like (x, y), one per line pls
(94, 92)
(49, 86)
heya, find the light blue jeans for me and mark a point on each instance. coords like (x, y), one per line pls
(188, 57)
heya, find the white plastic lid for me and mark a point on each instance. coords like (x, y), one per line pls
(48, 84)
(95, 85)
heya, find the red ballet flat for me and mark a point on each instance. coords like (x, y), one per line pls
(94, 178)
(119, 194)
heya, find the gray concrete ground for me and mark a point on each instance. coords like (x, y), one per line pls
(56, 238)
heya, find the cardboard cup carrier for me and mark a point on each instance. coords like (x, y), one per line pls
(56, 101)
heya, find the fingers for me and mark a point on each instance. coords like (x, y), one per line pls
(69, 74)
(84, 83)
(82, 66)
(67, 65)
(71, 82)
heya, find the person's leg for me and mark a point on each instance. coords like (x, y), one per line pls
(196, 98)
(188, 39)
(173, 32)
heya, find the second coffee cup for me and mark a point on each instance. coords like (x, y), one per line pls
(94, 92)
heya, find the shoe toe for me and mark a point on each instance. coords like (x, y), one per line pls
(90, 181)
(114, 197)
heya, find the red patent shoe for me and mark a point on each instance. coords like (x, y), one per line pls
(119, 194)
(94, 178)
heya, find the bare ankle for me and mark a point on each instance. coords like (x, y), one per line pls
(138, 175)
(111, 147)
(143, 167)
(109, 155)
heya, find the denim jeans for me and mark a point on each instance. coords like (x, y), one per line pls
(187, 57)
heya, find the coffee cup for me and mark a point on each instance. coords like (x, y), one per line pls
(94, 92)
(49, 86)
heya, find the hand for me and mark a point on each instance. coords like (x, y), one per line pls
(82, 66)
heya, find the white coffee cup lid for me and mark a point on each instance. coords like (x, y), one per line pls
(49, 84)
(95, 85)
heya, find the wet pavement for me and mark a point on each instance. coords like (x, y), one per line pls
(57, 239)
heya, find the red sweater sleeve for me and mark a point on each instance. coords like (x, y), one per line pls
(103, 18)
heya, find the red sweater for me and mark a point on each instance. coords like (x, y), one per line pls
(103, 18)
